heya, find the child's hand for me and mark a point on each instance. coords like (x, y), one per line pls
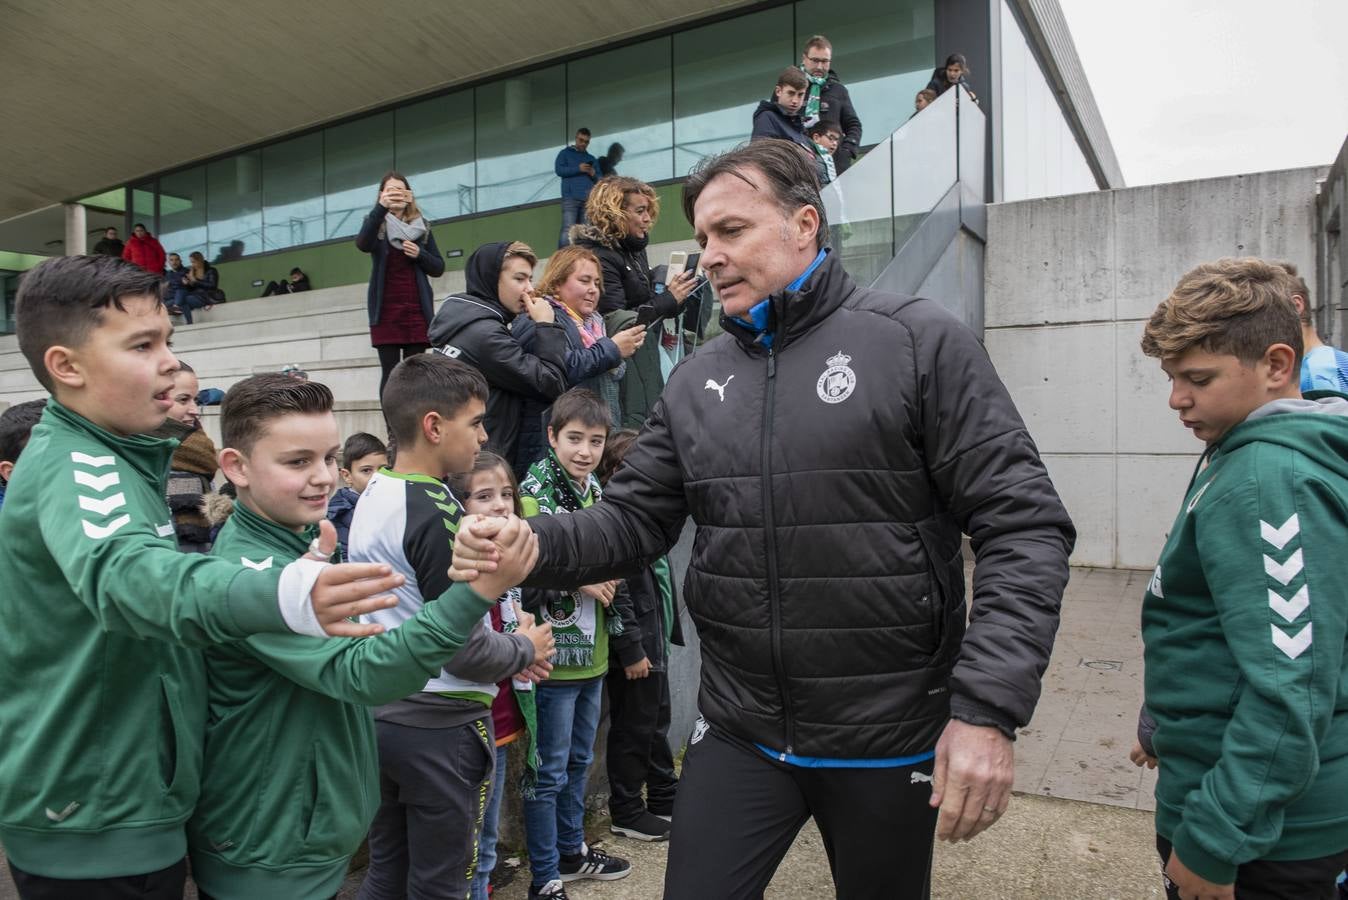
(349, 590)
(1140, 758)
(518, 549)
(637, 670)
(603, 592)
(540, 635)
(475, 549)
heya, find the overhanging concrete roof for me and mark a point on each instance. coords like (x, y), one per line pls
(95, 95)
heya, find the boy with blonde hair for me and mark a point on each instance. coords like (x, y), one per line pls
(1245, 618)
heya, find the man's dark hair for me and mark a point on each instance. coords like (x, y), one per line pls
(582, 406)
(818, 40)
(584, 131)
(60, 301)
(359, 445)
(254, 402)
(428, 382)
(823, 126)
(793, 77)
(139, 225)
(297, 271)
(16, 424)
(781, 165)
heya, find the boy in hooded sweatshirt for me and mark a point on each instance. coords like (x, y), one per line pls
(475, 327)
(1245, 619)
(291, 778)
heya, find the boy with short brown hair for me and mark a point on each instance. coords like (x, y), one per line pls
(1245, 619)
(106, 698)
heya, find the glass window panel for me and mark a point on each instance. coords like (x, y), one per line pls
(1040, 155)
(435, 152)
(234, 206)
(182, 212)
(142, 207)
(355, 156)
(882, 52)
(721, 72)
(623, 96)
(521, 127)
(292, 192)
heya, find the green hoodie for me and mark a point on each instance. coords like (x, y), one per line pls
(291, 776)
(103, 705)
(1244, 624)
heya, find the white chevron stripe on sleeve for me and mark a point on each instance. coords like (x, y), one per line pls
(98, 532)
(256, 566)
(1292, 646)
(98, 483)
(1293, 606)
(103, 507)
(93, 462)
(1279, 537)
(164, 530)
(1284, 572)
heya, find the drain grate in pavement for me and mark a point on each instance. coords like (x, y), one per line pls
(1103, 665)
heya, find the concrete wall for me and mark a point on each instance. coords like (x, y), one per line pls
(1069, 282)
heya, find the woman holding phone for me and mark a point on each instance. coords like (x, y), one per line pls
(621, 212)
(405, 258)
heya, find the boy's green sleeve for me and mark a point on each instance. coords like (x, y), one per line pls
(135, 583)
(1271, 559)
(381, 668)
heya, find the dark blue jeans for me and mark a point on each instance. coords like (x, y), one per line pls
(186, 301)
(554, 821)
(573, 213)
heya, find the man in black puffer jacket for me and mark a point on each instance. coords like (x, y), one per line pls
(475, 327)
(833, 100)
(831, 447)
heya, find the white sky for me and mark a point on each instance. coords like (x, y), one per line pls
(1202, 88)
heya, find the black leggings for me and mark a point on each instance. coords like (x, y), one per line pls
(392, 354)
(738, 811)
(1267, 879)
(166, 884)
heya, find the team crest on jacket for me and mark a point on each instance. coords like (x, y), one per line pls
(838, 380)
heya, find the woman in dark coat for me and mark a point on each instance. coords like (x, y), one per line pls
(621, 212)
(405, 259)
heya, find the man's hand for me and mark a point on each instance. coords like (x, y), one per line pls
(640, 669)
(587, 169)
(517, 546)
(1194, 887)
(1139, 757)
(971, 782)
(603, 592)
(349, 590)
(475, 549)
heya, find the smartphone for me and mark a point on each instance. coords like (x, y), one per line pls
(645, 315)
(694, 260)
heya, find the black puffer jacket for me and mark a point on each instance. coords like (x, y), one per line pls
(830, 480)
(474, 327)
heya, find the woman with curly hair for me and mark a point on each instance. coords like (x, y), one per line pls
(621, 212)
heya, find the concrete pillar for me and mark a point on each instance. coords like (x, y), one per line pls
(77, 229)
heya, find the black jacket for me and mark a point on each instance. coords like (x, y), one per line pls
(648, 622)
(836, 103)
(474, 327)
(109, 247)
(830, 487)
(430, 264)
(771, 122)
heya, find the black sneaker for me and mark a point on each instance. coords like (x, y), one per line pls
(553, 890)
(592, 863)
(644, 826)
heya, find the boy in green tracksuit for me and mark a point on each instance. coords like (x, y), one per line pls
(104, 702)
(1246, 616)
(290, 780)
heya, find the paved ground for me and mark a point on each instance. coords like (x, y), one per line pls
(1080, 826)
